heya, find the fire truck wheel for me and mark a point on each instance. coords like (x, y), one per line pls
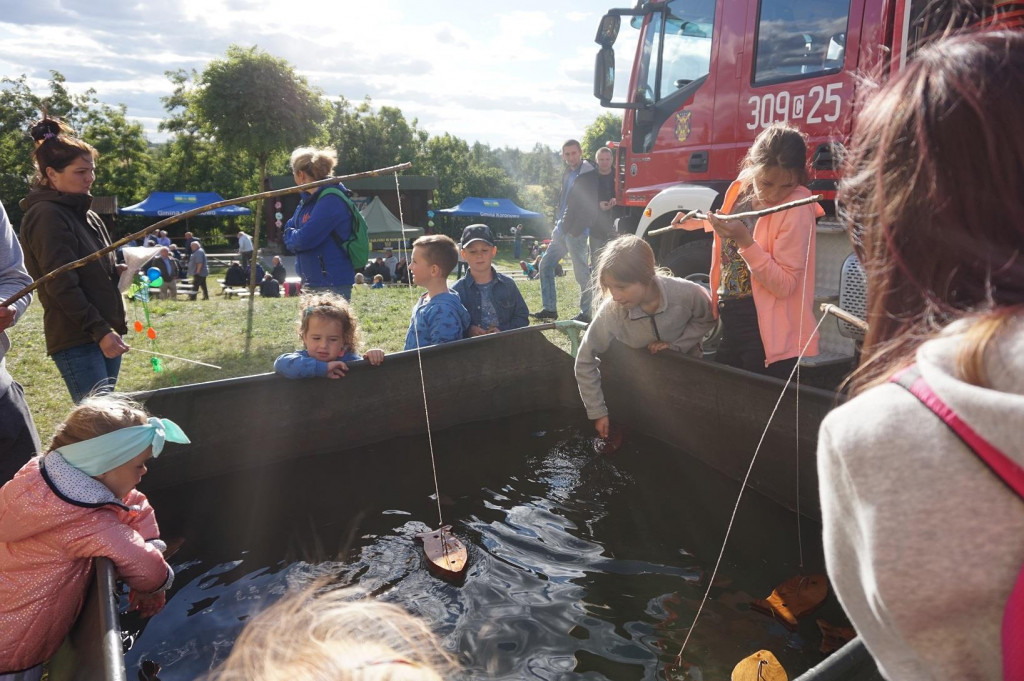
(693, 257)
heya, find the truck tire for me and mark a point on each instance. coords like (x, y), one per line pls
(693, 257)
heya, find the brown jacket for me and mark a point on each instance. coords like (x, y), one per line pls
(83, 305)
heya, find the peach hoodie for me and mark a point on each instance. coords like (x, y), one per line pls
(782, 293)
(54, 519)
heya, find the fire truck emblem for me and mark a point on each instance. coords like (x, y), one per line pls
(682, 125)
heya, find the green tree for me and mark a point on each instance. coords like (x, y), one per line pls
(192, 160)
(606, 128)
(125, 160)
(125, 157)
(367, 139)
(255, 103)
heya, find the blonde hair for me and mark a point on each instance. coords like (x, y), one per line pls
(96, 415)
(323, 634)
(334, 307)
(317, 163)
(439, 250)
(628, 259)
(378, 277)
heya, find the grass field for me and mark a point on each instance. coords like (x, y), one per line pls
(213, 331)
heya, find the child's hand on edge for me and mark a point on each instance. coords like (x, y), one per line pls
(601, 426)
(374, 357)
(336, 369)
(146, 604)
(477, 331)
(654, 347)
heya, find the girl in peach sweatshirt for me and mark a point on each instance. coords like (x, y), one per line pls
(762, 270)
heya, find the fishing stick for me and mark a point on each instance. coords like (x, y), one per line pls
(182, 359)
(829, 308)
(738, 216)
(191, 213)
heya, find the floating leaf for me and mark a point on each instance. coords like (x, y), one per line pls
(794, 598)
(761, 666)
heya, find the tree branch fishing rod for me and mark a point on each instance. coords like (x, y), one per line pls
(192, 213)
(697, 215)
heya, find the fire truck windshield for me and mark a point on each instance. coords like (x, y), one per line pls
(676, 48)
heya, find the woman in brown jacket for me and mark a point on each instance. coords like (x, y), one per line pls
(83, 313)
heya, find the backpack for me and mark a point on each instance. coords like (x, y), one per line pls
(357, 246)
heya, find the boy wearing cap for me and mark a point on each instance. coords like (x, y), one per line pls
(493, 300)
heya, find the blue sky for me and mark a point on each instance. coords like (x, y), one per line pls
(500, 73)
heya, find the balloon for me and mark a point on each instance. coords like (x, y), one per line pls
(138, 326)
(430, 213)
(159, 281)
(151, 333)
(153, 273)
(430, 223)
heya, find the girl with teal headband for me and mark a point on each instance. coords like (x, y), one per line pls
(65, 508)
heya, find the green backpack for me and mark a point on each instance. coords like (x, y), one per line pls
(357, 246)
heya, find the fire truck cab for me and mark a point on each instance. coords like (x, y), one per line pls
(707, 76)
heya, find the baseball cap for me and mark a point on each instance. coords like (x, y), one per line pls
(478, 232)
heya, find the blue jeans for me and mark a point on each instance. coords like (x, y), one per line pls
(576, 247)
(84, 368)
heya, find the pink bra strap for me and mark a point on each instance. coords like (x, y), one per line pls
(1007, 469)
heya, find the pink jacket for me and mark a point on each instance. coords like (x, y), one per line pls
(54, 520)
(782, 284)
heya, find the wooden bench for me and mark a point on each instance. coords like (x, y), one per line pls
(231, 291)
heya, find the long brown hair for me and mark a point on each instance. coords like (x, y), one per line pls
(777, 146)
(933, 197)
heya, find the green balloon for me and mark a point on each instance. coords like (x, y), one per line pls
(156, 282)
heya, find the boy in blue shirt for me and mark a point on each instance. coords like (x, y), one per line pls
(493, 300)
(438, 316)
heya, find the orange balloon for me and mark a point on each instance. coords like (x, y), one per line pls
(138, 325)
(151, 333)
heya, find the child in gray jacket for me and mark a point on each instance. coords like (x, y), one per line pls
(642, 308)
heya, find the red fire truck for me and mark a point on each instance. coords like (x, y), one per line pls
(708, 75)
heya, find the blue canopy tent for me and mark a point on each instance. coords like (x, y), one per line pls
(164, 204)
(473, 206)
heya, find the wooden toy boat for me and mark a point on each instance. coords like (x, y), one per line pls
(445, 554)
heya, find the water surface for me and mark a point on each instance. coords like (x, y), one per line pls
(581, 566)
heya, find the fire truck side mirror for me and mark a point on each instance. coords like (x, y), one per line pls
(604, 74)
(607, 30)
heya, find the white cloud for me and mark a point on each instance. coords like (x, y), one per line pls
(503, 75)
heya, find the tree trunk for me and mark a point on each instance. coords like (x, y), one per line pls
(263, 158)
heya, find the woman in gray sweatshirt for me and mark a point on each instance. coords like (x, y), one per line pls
(924, 538)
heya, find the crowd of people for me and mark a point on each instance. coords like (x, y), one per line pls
(920, 472)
